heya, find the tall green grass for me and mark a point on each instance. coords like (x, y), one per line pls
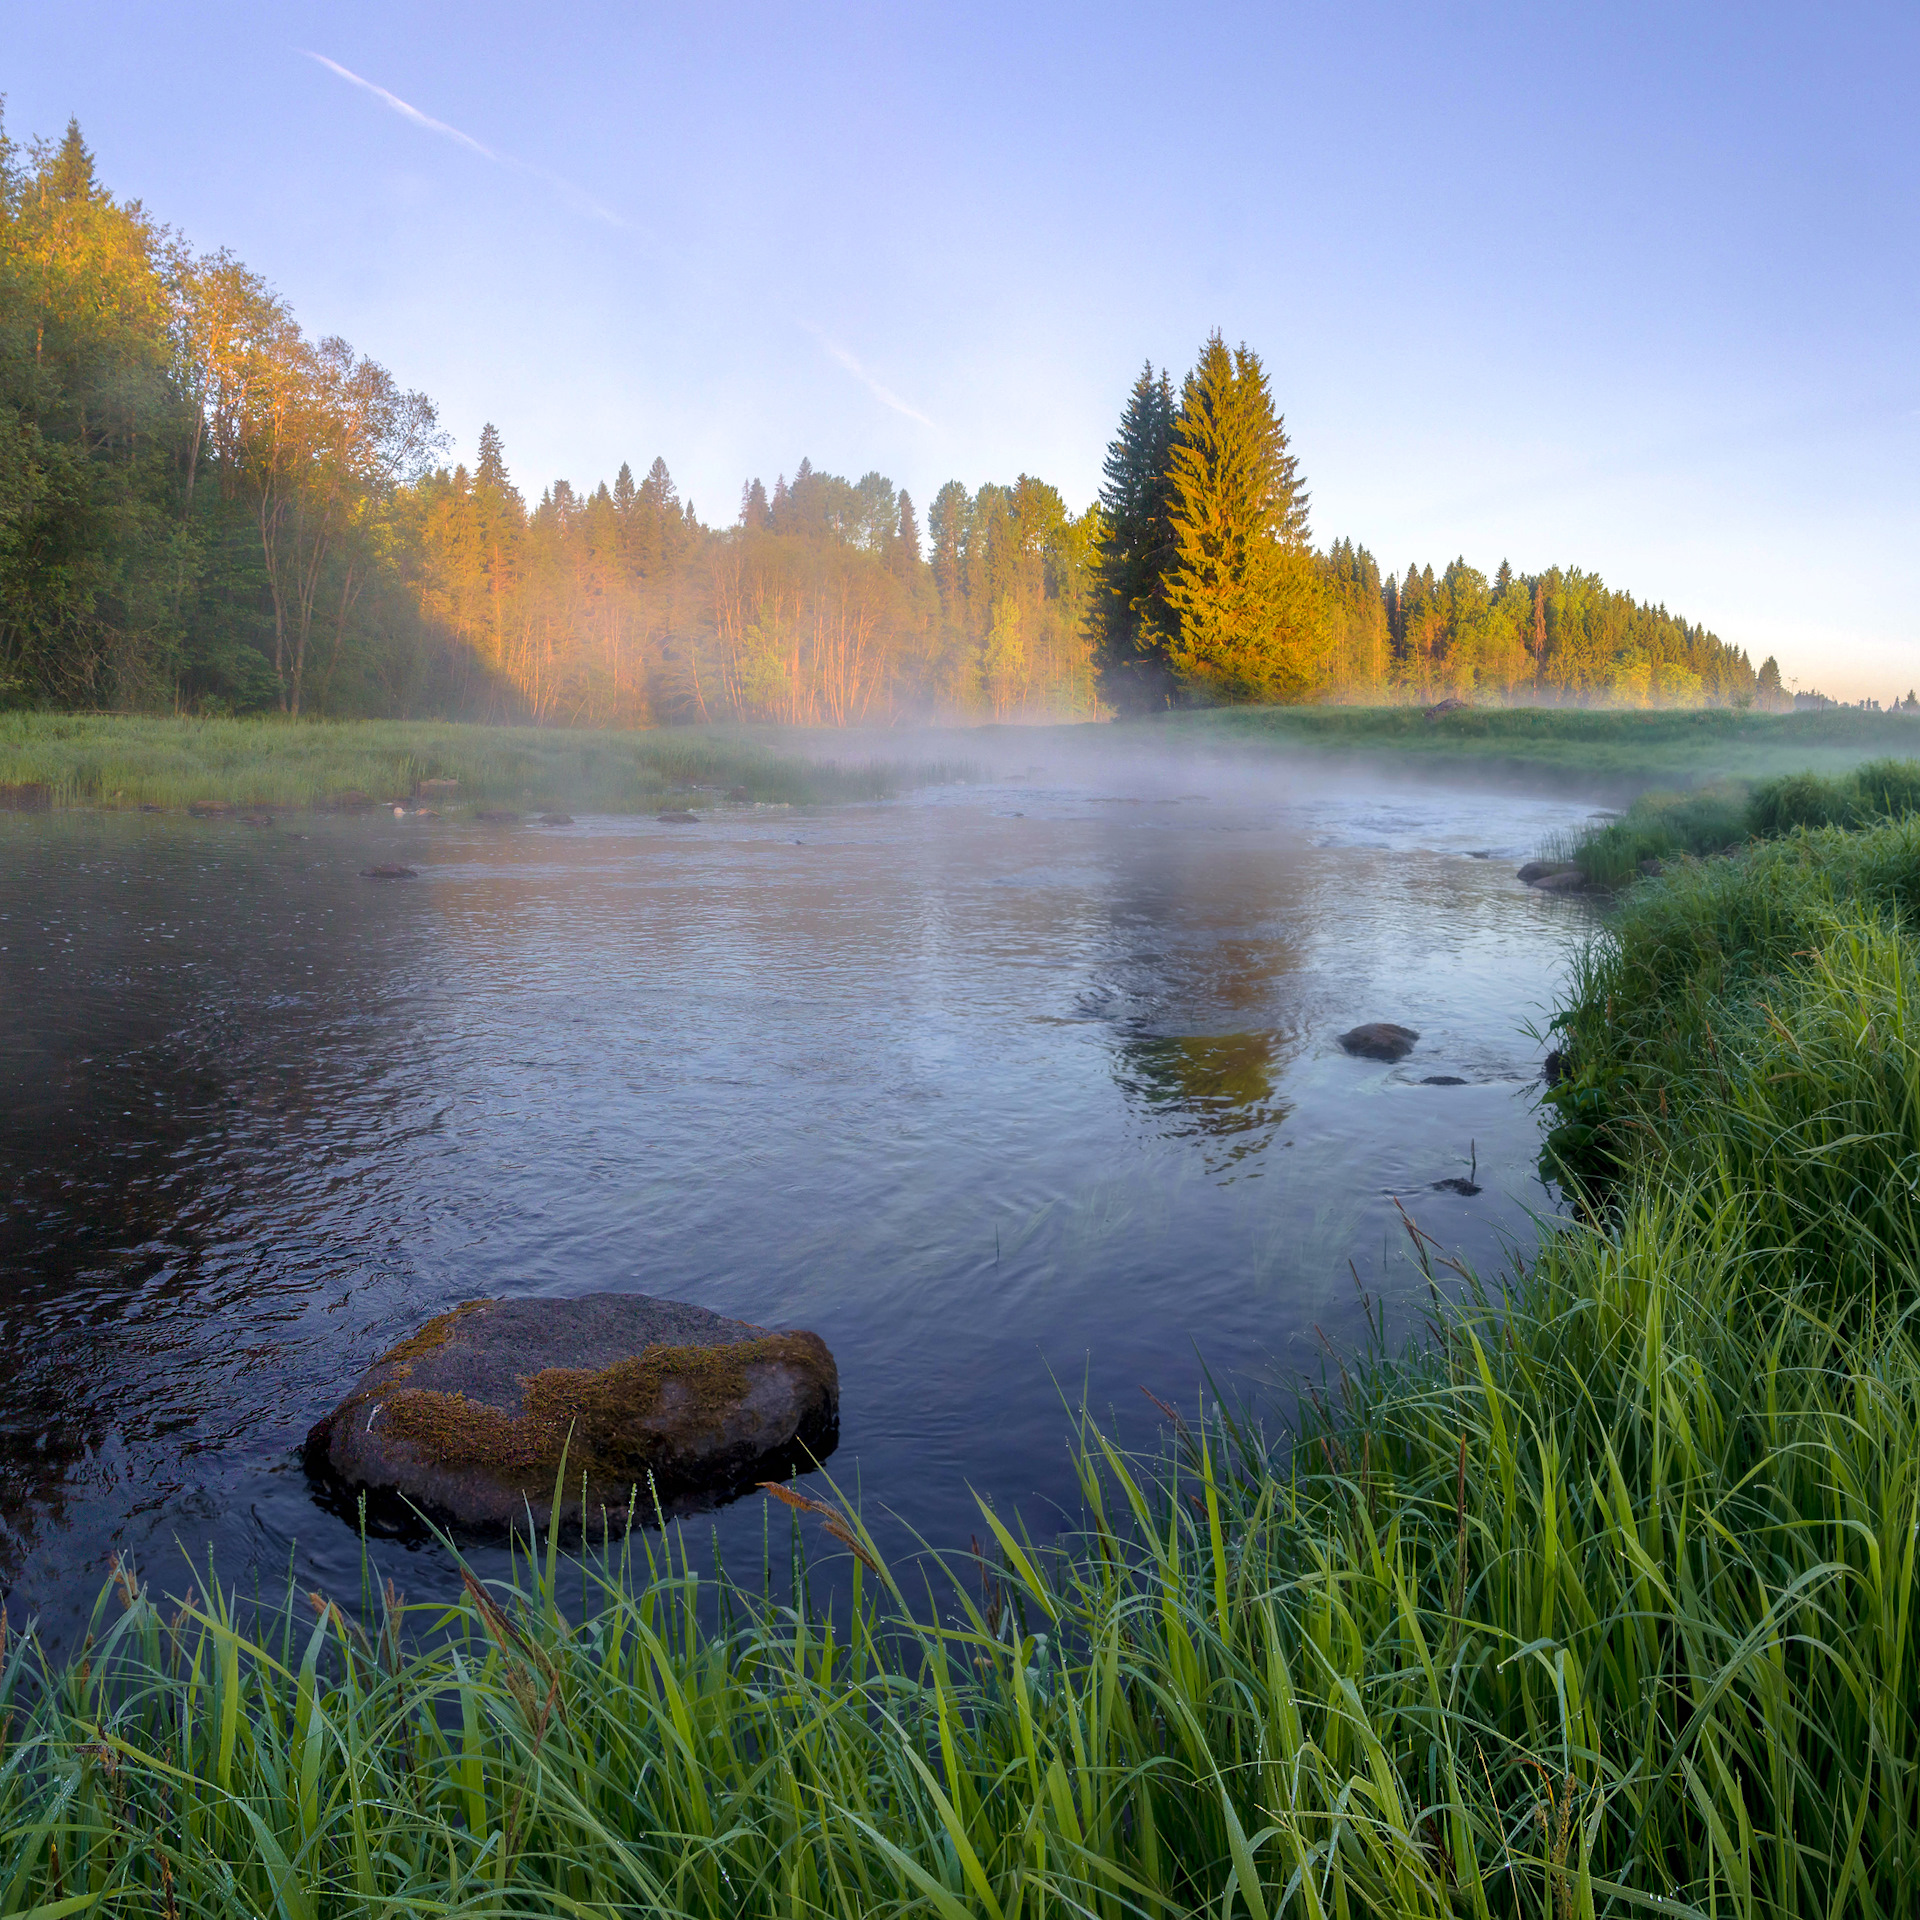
(128, 761)
(1602, 1601)
(1661, 827)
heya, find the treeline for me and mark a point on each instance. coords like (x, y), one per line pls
(202, 509)
(1208, 586)
(819, 606)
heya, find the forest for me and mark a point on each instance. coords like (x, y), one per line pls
(205, 510)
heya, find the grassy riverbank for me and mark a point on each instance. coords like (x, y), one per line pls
(1659, 827)
(131, 761)
(1603, 1602)
(1596, 749)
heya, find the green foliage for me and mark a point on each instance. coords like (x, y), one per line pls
(1128, 614)
(1245, 593)
(1587, 747)
(1659, 827)
(127, 761)
(1602, 1604)
(1698, 964)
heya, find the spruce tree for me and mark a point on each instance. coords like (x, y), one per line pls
(906, 545)
(1244, 586)
(1128, 609)
(492, 468)
(623, 490)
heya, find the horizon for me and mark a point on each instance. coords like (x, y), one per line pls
(1698, 386)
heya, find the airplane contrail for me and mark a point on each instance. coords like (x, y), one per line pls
(885, 395)
(587, 204)
(584, 201)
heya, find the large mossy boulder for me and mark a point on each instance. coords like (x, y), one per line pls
(656, 1405)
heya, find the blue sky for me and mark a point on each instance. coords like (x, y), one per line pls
(1633, 288)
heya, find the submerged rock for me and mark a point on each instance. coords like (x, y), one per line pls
(1379, 1040)
(556, 820)
(387, 873)
(678, 817)
(651, 1400)
(1557, 876)
(1444, 1080)
(498, 816)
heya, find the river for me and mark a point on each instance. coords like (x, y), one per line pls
(1016, 1093)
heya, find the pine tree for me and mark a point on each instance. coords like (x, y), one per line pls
(906, 547)
(71, 176)
(948, 525)
(658, 490)
(1245, 587)
(1129, 615)
(492, 468)
(623, 491)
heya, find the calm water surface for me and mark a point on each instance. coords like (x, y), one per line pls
(1012, 1093)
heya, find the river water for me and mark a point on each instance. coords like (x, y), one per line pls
(1015, 1093)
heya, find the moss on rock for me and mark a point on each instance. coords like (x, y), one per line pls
(611, 1424)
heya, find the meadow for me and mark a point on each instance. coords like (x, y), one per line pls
(1600, 1599)
(130, 761)
(1616, 751)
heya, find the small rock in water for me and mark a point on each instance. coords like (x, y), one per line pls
(388, 873)
(556, 820)
(678, 817)
(649, 1399)
(1379, 1040)
(147, 806)
(1444, 1080)
(258, 819)
(1481, 853)
(1458, 1184)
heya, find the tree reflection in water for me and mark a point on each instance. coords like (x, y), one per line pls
(1217, 1087)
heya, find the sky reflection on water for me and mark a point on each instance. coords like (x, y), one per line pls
(1009, 1092)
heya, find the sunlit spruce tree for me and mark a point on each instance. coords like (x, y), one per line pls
(1128, 613)
(1246, 589)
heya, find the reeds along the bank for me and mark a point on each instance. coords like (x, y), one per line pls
(127, 761)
